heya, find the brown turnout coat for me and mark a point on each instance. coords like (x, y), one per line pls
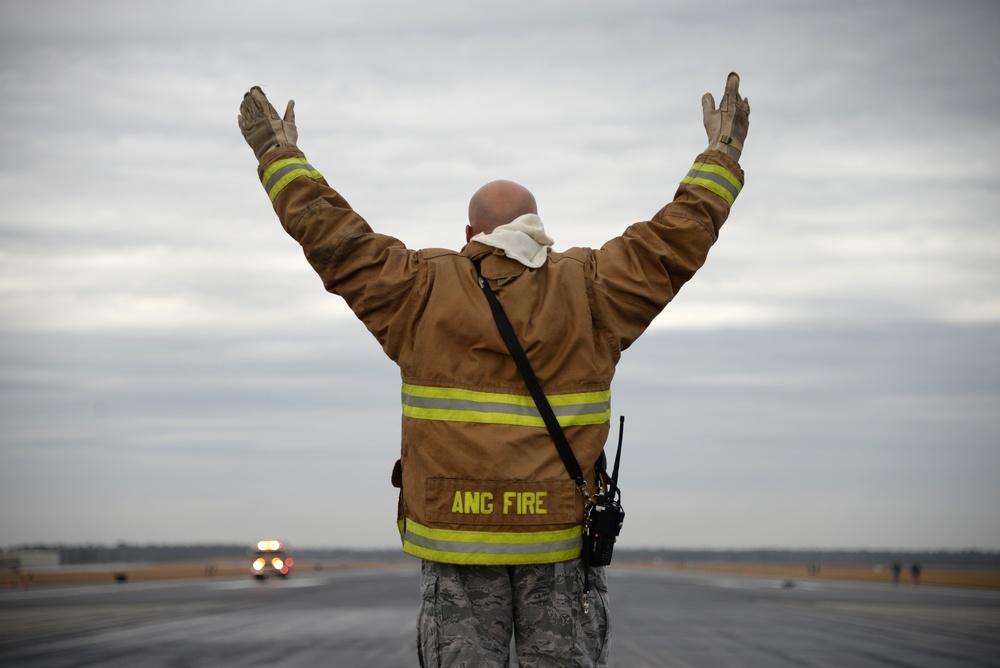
(481, 480)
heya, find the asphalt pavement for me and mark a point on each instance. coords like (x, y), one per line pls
(367, 618)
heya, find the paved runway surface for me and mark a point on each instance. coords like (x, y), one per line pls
(367, 619)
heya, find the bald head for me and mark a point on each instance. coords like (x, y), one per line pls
(498, 203)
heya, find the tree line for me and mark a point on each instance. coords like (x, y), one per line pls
(134, 553)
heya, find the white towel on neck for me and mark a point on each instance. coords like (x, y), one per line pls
(523, 239)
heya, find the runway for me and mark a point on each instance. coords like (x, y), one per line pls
(367, 618)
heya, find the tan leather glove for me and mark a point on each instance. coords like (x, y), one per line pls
(262, 127)
(727, 126)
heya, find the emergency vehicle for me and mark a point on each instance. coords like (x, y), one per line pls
(270, 558)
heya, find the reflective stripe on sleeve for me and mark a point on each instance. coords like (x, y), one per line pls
(716, 179)
(489, 547)
(282, 172)
(455, 405)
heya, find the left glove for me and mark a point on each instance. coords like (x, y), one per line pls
(727, 126)
(262, 127)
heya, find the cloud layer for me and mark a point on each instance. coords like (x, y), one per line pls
(172, 370)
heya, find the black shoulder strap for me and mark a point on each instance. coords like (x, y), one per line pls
(544, 409)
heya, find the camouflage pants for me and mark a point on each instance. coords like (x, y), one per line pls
(468, 614)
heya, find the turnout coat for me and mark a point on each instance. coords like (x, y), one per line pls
(481, 480)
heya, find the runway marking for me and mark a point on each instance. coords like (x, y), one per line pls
(250, 583)
(78, 590)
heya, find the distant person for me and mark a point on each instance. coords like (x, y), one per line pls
(485, 499)
(897, 568)
(915, 570)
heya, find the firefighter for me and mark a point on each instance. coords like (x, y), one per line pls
(485, 500)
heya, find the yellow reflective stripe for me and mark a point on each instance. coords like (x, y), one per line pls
(498, 537)
(488, 547)
(282, 172)
(716, 179)
(471, 395)
(491, 559)
(457, 405)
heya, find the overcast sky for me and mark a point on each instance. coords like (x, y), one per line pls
(171, 370)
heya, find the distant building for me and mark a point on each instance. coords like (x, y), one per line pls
(29, 558)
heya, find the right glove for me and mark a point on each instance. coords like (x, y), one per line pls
(262, 127)
(727, 126)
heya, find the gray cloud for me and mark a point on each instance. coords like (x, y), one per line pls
(828, 379)
(830, 437)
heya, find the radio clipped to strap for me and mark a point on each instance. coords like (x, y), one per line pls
(604, 514)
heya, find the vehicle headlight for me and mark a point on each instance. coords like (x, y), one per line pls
(258, 564)
(277, 563)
